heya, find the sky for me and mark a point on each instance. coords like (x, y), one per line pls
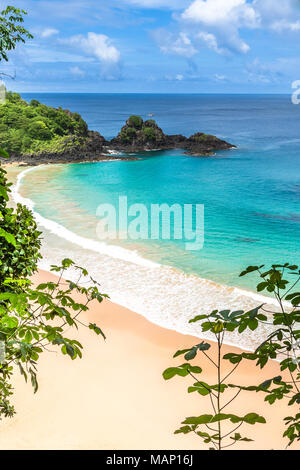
(157, 46)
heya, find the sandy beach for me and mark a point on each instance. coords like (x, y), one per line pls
(116, 398)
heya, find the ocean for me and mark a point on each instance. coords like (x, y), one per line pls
(251, 198)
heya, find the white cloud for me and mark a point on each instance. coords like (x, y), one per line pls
(48, 32)
(285, 25)
(171, 44)
(77, 72)
(222, 20)
(95, 45)
(211, 41)
(216, 12)
(220, 23)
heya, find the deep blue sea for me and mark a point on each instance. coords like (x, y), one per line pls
(251, 194)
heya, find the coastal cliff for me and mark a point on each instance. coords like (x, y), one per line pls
(34, 133)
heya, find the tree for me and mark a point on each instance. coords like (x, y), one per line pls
(282, 344)
(11, 30)
(219, 428)
(19, 238)
(135, 121)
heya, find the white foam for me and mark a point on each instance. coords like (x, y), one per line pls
(113, 152)
(164, 295)
(86, 243)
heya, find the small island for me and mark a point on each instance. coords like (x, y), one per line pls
(33, 133)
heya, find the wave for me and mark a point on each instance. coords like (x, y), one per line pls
(61, 231)
(164, 295)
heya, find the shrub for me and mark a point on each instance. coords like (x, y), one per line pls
(135, 121)
(39, 131)
(21, 243)
(282, 344)
(35, 103)
(131, 132)
(149, 133)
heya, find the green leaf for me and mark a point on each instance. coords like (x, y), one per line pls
(8, 237)
(182, 371)
(198, 318)
(97, 330)
(203, 419)
(183, 430)
(252, 418)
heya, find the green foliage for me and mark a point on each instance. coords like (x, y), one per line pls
(131, 132)
(149, 133)
(11, 30)
(35, 127)
(135, 121)
(214, 429)
(282, 344)
(33, 320)
(19, 238)
(128, 134)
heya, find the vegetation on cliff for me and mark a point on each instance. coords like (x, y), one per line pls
(33, 127)
(138, 135)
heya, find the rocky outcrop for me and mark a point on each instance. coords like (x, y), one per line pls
(205, 144)
(138, 135)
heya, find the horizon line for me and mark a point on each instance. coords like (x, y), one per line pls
(143, 93)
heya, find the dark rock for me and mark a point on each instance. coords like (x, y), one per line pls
(205, 144)
(138, 135)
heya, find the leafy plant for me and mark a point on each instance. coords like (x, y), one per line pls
(282, 344)
(19, 238)
(149, 133)
(33, 320)
(216, 429)
(11, 30)
(135, 121)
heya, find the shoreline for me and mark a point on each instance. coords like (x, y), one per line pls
(76, 245)
(101, 395)
(103, 158)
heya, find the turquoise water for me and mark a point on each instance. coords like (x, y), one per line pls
(251, 195)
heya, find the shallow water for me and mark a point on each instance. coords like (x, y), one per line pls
(251, 197)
